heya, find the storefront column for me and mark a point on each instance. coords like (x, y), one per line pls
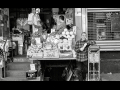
(84, 20)
(78, 23)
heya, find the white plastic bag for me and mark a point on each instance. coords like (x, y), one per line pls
(30, 18)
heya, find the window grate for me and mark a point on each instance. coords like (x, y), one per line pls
(103, 25)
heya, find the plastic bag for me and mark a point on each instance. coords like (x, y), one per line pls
(30, 18)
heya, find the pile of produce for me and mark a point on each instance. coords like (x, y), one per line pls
(65, 44)
(50, 50)
(35, 51)
(51, 53)
(36, 34)
(54, 46)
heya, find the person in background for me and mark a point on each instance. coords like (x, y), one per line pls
(62, 25)
(81, 49)
(14, 48)
(48, 25)
(53, 23)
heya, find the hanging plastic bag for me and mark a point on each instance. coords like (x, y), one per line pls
(30, 18)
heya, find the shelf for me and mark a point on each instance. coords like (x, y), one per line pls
(52, 58)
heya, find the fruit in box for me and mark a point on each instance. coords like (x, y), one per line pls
(53, 53)
(35, 50)
(71, 33)
(68, 54)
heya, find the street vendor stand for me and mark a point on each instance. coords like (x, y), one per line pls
(50, 47)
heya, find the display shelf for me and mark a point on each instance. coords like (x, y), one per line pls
(52, 58)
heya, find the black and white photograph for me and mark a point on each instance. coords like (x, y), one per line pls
(59, 44)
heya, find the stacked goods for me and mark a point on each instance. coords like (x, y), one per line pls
(51, 53)
(36, 34)
(65, 44)
(50, 50)
(35, 51)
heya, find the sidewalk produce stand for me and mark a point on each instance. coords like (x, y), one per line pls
(55, 47)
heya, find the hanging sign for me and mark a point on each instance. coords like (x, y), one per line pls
(77, 11)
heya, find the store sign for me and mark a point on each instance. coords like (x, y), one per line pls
(77, 11)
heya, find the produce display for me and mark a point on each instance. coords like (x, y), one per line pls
(51, 53)
(50, 49)
(55, 46)
(65, 44)
(36, 34)
(35, 51)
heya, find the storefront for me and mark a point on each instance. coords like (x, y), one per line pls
(102, 25)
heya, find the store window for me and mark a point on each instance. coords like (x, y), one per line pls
(103, 25)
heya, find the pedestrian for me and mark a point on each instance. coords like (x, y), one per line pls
(81, 49)
(14, 48)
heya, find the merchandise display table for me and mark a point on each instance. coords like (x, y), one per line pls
(52, 59)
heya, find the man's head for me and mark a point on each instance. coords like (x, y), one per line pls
(61, 18)
(83, 36)
(38, 10)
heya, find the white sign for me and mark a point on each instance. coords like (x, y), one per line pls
(38, 41)
(77, 11)
(32, 67)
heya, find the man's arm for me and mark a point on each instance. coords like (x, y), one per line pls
(82, 48)
(77, 47)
